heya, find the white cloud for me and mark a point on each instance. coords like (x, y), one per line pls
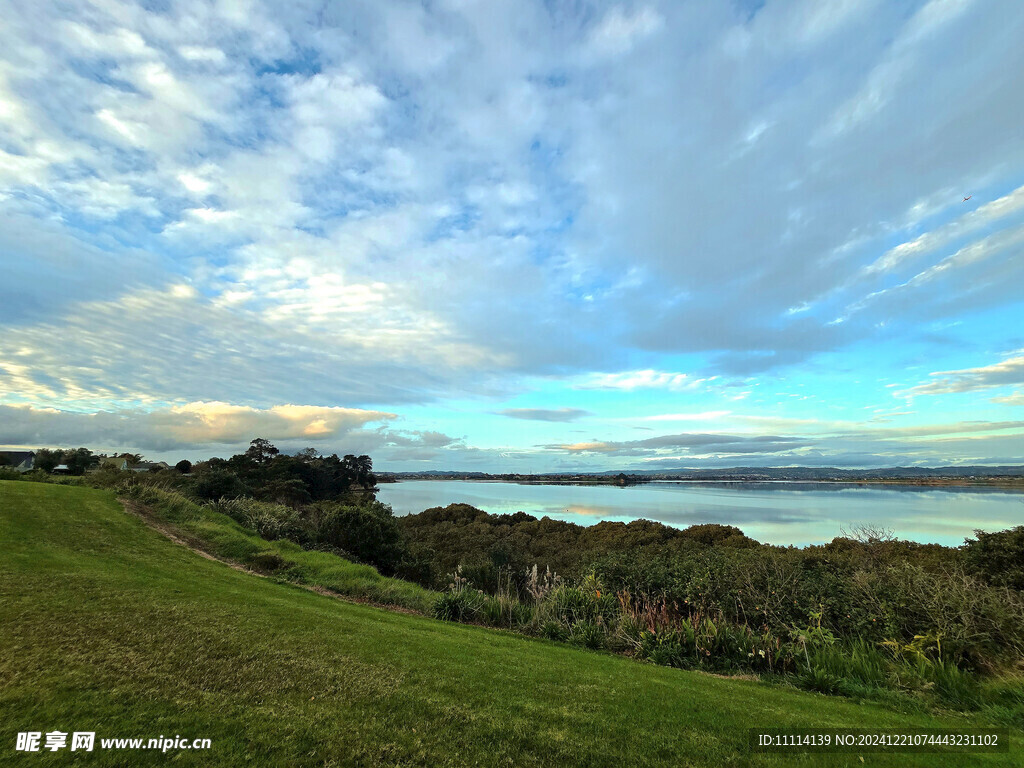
(932, 240)
(173, 343)
(886, 79)
(386, 203)
(619, 31)
(190, 425)
(818, 21)
(645, 379)
(1016, 398)
(544, 414)
(202, 54)
(1008, 371)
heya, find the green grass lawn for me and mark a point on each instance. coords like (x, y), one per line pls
(107, 626)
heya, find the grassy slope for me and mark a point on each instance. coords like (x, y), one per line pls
(221, 536)
(107, 626)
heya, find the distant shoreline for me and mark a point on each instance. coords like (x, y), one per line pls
(1008, 482)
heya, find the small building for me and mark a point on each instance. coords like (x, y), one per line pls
(149, 466)
(22, 461)
(60, 469)
(116, 462)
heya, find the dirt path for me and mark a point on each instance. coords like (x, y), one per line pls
(195, 544)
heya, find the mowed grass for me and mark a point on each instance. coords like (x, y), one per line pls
(107, 626)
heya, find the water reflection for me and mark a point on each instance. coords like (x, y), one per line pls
(775, 512)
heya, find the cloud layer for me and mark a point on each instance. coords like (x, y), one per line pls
(398, 207)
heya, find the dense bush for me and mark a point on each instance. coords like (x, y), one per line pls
(484, 544)
(367, 531)
(212, 483)
(997, 557)
(459, 606)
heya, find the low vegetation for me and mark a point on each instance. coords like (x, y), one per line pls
(253, 534)
(865, 616)
(105, 625)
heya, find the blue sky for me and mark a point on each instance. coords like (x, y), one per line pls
(516, 236)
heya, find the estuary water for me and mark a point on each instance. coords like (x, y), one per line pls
(775, 512)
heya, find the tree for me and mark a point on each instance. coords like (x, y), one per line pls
(365, 476)
(359, 470)
(291, 492)
(46, 459)
(216, 483)
(307, 455)
(261, 451)
(184, 466)
(79, 460)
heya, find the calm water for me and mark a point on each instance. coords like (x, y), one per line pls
(778, 513)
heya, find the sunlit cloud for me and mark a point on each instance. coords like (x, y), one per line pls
(186, 426)
(646, 379)
(441, 212)
(1008, 371)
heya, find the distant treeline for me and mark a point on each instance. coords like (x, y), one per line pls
(260, 472)
(263, 472)
(739, 474)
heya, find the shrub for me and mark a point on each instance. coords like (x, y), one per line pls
(713, 534)
(587, 634)
(979, 625)
(953, 685)
(820, 680)
(268, 561)
(270, 521)
(663, 647)
(464, 605)
(416, 565)
(506, 611)
(554, 630)
(998, 558)
(367, 531)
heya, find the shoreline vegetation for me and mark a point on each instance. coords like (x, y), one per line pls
(867, 616)
(271, 670)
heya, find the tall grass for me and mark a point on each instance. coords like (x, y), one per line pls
(663, 632)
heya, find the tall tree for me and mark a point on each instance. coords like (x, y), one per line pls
(79, 460)
(46, 459)
(261, 451)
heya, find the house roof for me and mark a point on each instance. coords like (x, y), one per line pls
(147, 465)
(17, 458)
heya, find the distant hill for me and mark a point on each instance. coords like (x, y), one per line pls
(728, 473)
